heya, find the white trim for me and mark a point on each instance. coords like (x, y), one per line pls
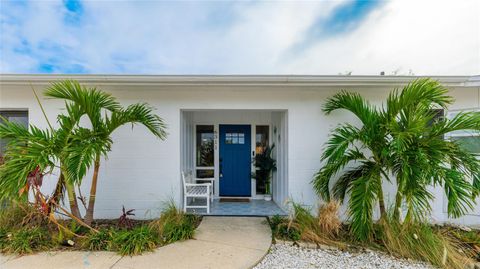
(240, 80)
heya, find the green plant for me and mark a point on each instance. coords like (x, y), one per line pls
(135, 241)
(92, 144)
(265, 165)
(404, 139)
(174, 225)
(28, 240)
(101, 240)
(12, 216)
(3, 238)
(71, 147)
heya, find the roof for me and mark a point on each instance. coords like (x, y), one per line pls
(234, 80)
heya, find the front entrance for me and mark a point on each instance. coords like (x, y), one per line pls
(234, 160)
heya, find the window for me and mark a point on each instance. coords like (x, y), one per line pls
(261, 142)
(204, 161)
(261, 138)
(469, 140)
(20, 117)
(235, 138)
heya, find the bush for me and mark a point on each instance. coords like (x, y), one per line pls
(135, 241)
(101, 240)
(27, 240)
(281, 229)
(421, 242)
(174, 225)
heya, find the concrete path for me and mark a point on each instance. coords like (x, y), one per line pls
(220, 242)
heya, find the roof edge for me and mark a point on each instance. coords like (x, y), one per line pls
(240, 80)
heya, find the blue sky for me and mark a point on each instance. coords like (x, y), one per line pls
(248, 37)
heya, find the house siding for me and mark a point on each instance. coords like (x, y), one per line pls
(142, 172)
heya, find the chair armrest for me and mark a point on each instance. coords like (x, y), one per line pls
(197, 184)
(211, 179)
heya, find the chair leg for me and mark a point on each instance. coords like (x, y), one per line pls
(208, 205)
(184, 203)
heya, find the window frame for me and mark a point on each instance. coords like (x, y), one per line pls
(196, 167)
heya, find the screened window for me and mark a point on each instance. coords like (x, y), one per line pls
(20, 117)
(205, 139)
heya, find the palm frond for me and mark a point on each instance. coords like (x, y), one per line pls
(354, 103)
(139, 113)
(363, 197)
(321, 180)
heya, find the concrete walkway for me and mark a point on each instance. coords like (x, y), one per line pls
(220, 242)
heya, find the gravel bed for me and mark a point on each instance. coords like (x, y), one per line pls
(285, 256)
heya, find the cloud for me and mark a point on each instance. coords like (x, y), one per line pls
(323, 37)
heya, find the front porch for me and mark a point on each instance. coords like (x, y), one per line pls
(219, 147)
(253, 207)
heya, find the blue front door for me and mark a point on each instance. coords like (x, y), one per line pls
(235, 161)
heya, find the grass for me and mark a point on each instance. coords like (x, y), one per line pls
(99, 241)
(136, 241)
(27, 240)
(421, 241)
(23, 230)
(174, 225)
(445, 248)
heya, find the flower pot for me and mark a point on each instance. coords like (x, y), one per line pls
(267, 197)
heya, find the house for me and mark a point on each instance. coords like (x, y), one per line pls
(216, 124)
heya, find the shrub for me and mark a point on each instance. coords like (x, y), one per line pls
(135, 241)
(281, 229)
(101, 240)
(28, 240)
(419, 241)
(307, 224)
(174, 225)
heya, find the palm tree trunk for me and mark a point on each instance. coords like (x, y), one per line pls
(93, 191)
(398, 203)
(72, 200)
(381, 200)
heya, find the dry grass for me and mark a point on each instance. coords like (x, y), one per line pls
(321, 229)
(328, 220)
(421, 242)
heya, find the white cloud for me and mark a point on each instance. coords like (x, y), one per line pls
(428, 37)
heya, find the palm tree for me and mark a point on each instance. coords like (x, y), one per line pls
(71, 148)
(398, 139)
(91, 144)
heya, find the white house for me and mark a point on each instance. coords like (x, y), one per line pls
(231, 115)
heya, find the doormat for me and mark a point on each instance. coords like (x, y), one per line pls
(237, 200)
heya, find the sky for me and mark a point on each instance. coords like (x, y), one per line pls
(398, 37)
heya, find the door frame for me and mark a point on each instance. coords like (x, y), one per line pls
(216, 130)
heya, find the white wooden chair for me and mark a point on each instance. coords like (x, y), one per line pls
(195, 190)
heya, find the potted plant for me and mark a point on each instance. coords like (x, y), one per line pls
(264, 166)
